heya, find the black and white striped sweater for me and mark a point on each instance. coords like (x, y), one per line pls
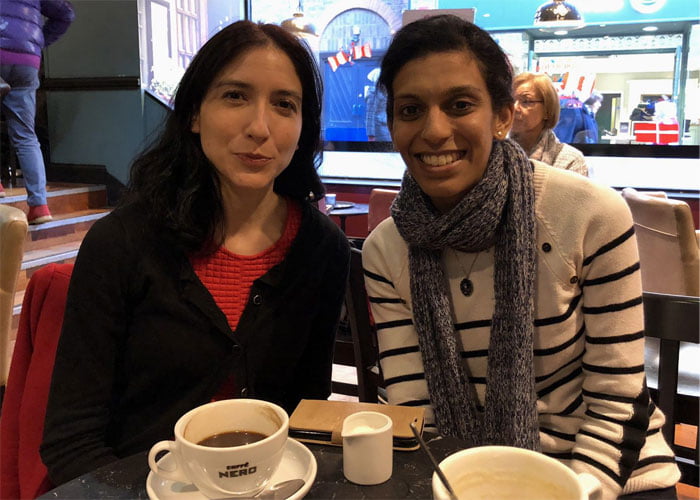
(594, 411)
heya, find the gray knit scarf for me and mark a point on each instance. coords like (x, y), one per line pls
(498, 211)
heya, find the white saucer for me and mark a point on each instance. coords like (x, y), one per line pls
(297, 462)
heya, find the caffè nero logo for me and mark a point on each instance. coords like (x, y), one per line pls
(647, 6)
(238, 470)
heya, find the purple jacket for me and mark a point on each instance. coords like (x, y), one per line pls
(23, 29)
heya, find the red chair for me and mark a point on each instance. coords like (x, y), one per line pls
(380, 201)
(22, 473)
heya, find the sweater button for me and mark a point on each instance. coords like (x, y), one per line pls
(257, 299)
(546, 247)
(573, 280)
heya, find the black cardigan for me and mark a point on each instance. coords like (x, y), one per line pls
(143, 341)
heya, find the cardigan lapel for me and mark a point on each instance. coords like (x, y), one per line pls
(194, 292)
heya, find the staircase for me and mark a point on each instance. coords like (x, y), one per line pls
(75, 207)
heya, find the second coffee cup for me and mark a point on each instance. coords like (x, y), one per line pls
(228, 448)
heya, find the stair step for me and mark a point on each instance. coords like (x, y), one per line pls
(35, 259)
(61, 197)
(65, 228)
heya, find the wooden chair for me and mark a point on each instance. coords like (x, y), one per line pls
(364, 337)
(380, 201)
(674, 319)
(13, 232)
(668, 245)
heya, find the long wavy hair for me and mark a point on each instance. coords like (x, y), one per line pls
(447, 33)
(175, 183)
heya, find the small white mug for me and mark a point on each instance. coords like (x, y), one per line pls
(239, 470)
(509, 472)
(367, 447)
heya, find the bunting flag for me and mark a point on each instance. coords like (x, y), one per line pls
(356, 52)
(333, 63)
(338, 60)
(579, 85)
(360, 51)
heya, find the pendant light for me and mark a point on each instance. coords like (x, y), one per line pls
(558, 15)
(298, 24)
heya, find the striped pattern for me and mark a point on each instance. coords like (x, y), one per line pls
(589, 344)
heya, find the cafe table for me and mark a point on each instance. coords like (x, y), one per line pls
(411, 476)
(345, 209)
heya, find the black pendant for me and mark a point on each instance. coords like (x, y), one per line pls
(467, 287)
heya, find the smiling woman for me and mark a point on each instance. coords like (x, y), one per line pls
(216, 278)
(506, 293)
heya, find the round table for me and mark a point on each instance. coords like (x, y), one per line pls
(343, 211)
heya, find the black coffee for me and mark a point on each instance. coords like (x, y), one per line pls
(233, 438)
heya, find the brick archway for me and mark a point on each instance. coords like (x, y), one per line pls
(377, 6)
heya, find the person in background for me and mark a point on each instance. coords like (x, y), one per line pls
(536, 114)
(588, 134)
(26, 27)
(216, 278)
(506, 293)
(375, 117)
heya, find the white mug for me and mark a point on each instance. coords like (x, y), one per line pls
(487, 472)
(231, 470)
(367, 447)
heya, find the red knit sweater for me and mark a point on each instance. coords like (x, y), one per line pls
(229, 276)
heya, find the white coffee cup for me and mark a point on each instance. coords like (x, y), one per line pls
(497, 472)
(330, 199)
(367, 447)
(230, 471)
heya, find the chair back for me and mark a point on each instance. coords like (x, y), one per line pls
(13, 232)
(674, 319)
(668, 245)
(22, 473)
(380, 201)
(364, 336)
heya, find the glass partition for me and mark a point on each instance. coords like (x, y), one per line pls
(649, 82)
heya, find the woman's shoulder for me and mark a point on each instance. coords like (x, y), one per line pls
(561, 193)
(385, 244)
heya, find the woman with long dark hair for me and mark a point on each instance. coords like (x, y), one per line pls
(216, 277)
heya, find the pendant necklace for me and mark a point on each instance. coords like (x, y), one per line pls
(466, 286)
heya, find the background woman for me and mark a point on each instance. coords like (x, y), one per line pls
(536, 114)
(506, 293)
(216, 278)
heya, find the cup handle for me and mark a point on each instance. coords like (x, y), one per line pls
(592, 488)
(176, 474)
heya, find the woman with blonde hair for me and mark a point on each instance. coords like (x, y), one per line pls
(536, 114)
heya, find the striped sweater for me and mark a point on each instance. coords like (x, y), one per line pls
(594, 410)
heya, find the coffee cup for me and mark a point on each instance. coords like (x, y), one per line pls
(228, 448)
(490, 472)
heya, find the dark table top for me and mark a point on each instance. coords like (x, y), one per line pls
(355, 209)
(411, 477)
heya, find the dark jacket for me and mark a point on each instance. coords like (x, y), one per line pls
(22, 25)
(143, 341)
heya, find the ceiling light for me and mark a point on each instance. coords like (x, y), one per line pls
(558, 15)
(650, 28)
(298, 24)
